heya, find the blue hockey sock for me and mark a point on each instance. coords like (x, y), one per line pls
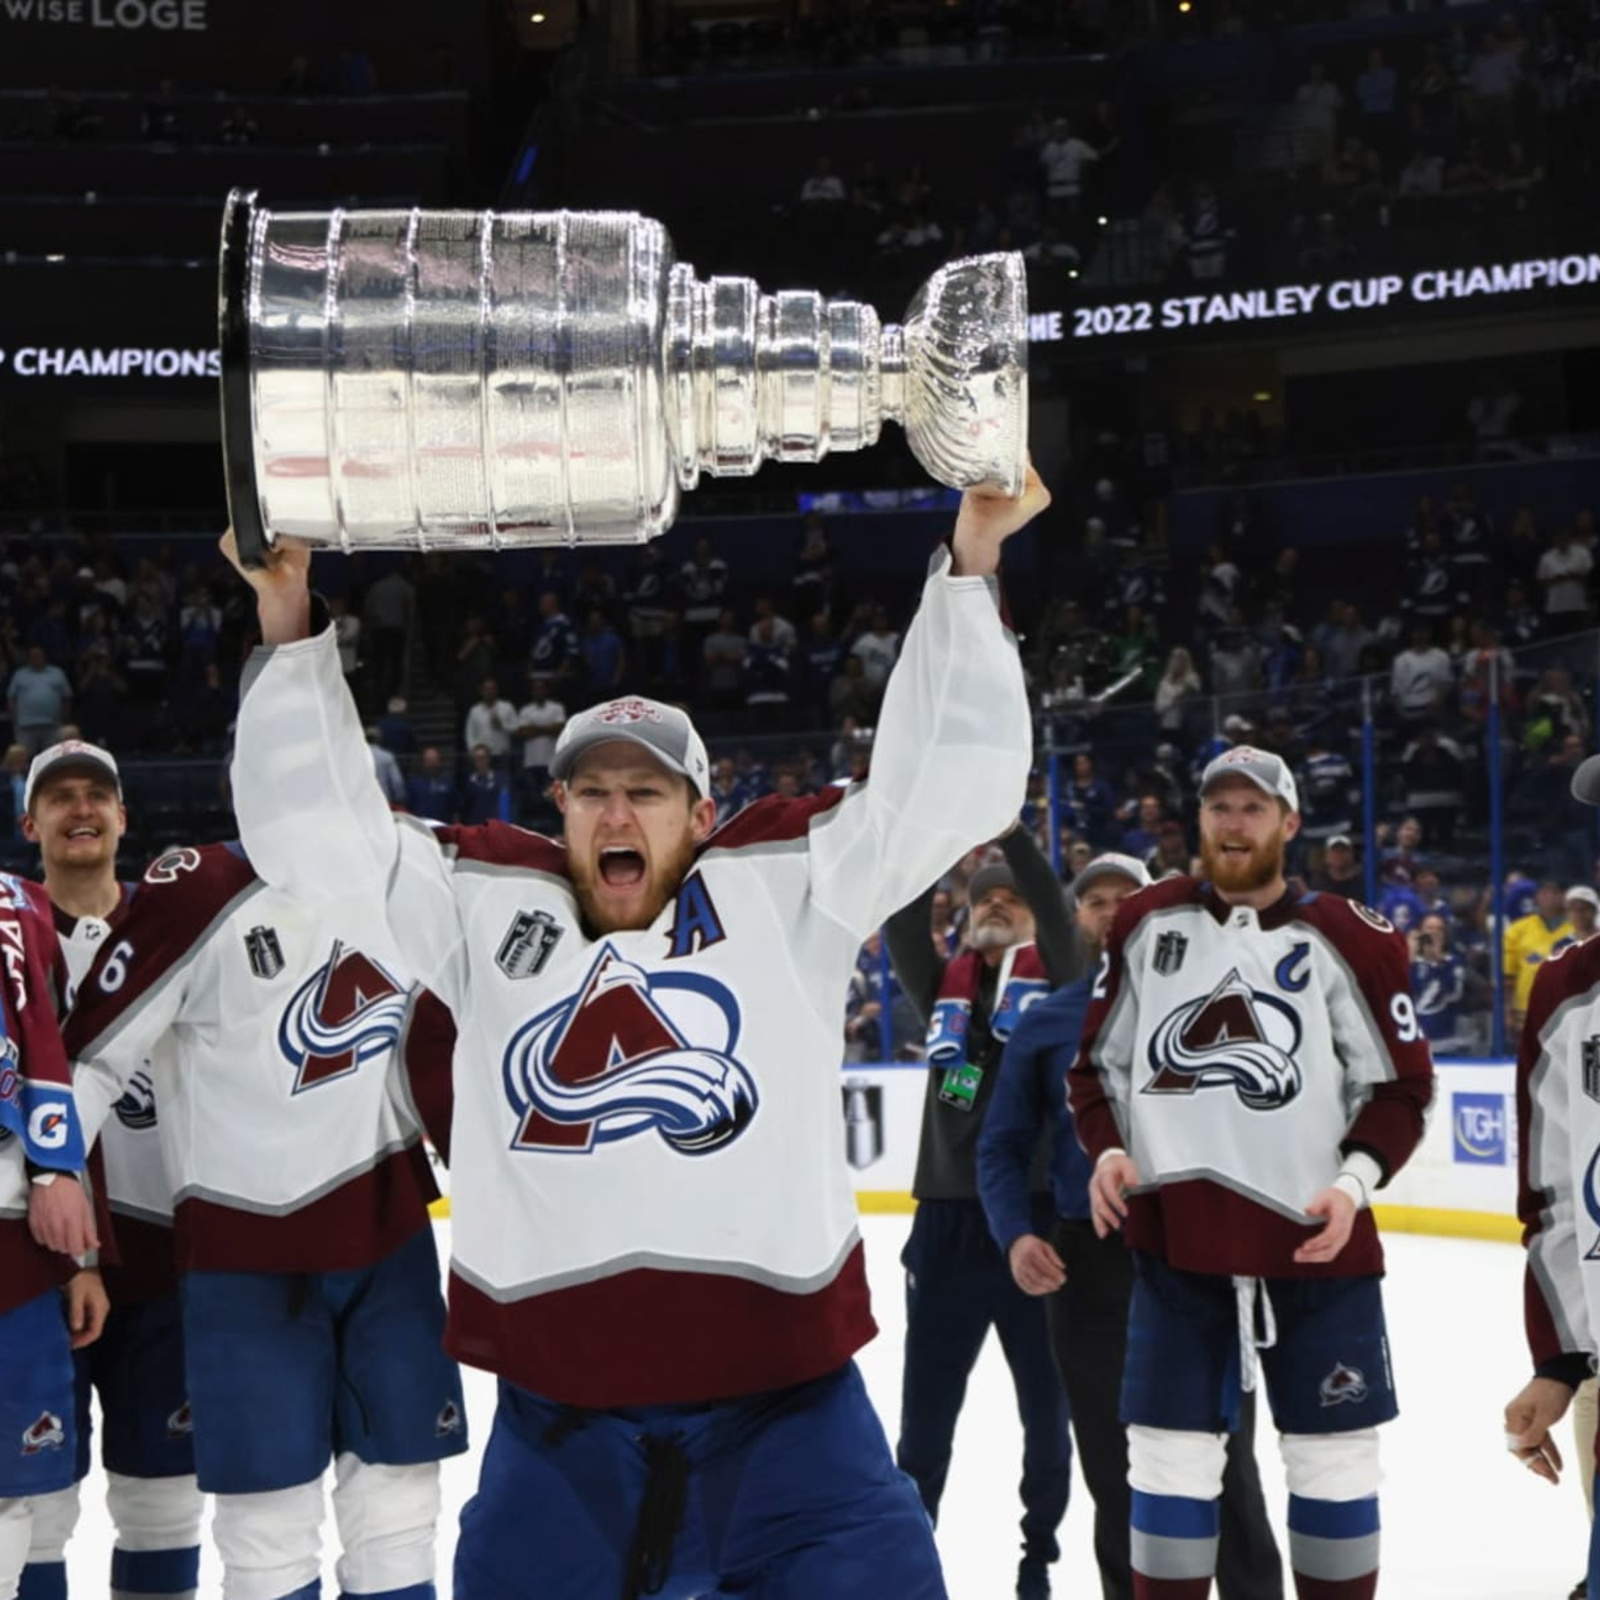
(1333, 1547)
(43, 1580)
(137, 1573)
(1174, 1542)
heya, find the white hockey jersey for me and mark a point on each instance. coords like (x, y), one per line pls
(137, 1191)
(1558, 1156)
(272, 1047)
(1235, 1054)
(649, 1191)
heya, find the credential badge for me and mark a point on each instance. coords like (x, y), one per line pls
(527, 944)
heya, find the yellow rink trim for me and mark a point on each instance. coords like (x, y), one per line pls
(1393, 1219)
(1449, 1224)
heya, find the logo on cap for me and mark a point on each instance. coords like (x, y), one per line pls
(629, 711)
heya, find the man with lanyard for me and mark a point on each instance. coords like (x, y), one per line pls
(1086, 1281)
(75, 815)
(957, 1283)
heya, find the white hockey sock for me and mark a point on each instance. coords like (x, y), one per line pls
(270, 1544)
(388, 1518)
(158, 1536)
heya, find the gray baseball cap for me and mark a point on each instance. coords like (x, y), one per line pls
(71, 755)
(1586, 782)
(1111, 865)
(1267, 772)
(664, 731)
(991, 875)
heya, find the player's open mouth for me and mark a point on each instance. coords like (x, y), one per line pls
(621, 868)
(83, 833)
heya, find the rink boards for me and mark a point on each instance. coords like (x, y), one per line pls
(1461, 1182)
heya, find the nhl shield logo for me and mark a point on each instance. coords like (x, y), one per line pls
(527, 944)
(1169, 954)
(449, 1420)
(180, 1423)
(265, 953)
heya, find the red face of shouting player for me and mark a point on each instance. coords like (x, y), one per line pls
(632, 827)
(1243, 834)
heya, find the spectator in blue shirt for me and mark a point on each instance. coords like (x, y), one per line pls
(604, 655)
(1142, 838)
(484, 796)
(1439, 987)
(1091, 802)
(1086, 1282)
(39, 699)
(430, 794)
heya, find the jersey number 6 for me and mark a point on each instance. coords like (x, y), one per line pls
(115, 972)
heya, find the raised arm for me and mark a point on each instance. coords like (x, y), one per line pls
(312, 815)
(954, 741)
(908, 935)
(1062, 951)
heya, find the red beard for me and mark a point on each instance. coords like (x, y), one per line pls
(1240, 874)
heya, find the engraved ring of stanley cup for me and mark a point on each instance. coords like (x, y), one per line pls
(474, 380)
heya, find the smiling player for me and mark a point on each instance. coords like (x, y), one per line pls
(1251, 1070)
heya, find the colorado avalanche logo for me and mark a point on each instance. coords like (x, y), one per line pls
(614, 1060)
(1343, 1386)
(1236, 1037)
(44, 1434)
(1591, 1203)
(348, 1011)
(137, 1107)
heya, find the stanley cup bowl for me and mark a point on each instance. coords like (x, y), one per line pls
(474, 380)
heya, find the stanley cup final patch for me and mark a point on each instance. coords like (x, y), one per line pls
(264, 951)
(527, 944)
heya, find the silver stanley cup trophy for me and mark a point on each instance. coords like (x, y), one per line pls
(471, 380)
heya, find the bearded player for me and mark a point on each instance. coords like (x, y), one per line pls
(74, 813)
(1251, 1071)
(655, 1239)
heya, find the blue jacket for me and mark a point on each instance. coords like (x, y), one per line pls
(1031, 1094)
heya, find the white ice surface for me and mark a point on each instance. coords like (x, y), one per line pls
(1461, 1520)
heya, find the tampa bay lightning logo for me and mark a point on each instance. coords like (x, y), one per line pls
(614, 1060)
(348, 1011)
(137, 1107)
(1235, 1037)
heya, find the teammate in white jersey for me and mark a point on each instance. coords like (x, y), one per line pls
(1251, 1070)
(655, 1239)
(309, 1279)
(74, 813)
(1558, 1152)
